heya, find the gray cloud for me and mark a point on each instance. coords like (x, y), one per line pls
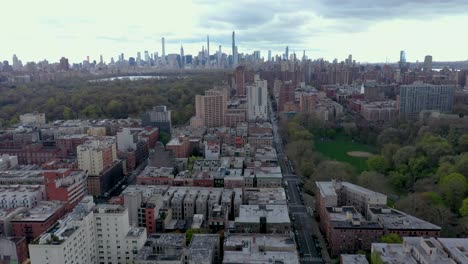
(371, 10)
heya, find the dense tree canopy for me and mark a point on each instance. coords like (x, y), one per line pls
(79, 98)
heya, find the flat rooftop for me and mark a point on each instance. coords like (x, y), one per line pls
(394, 219)
(392, 253)
(349, 217)
(202, 246)
(166, 239)
(109, 209)
(264, 196)
(457, 248)
(146, 190)
(43, 211)
(135, 232)
(10, 212)
(353, 259)
(157, 172)
(273, 213)
(260, 249)
(429, 250)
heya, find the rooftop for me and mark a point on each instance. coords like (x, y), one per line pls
(353, 259)
(273, 213)
(392, 253)
(260, 249)
(201, 246)
(429, 250)
(157, 172)
(457, 248)
(43, 211)
(98, 144)
(136, 232)
(330, 188)
(146, 190)
(257, 196)
(348, 217)
(264, 172)
(10, 212)
(394, 219)
(109, 209)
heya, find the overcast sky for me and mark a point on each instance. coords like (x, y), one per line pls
(370, 30)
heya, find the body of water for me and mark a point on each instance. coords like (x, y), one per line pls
(130, 78)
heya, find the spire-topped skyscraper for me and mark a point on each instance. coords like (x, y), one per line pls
(182, 57)
(163, 50)
(233, 47)
(208, 46)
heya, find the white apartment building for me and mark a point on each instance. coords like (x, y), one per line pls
(13, 196)
(257, 100)
(92, 233)
(95, 156)
(32, 119)
(72, 240)
(116, 241)
(127, 139)
(7, 162)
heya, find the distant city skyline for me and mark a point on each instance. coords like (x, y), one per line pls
(324, 29)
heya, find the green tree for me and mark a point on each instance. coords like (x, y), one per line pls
(427, 206)
(388, 151)
(373, 180)
(67, 113)
(463, 143)
(398, 180)
(191, 162)
(403, 155)
(327, 170)
(164, 137)
(461, 164)
(376, 259)
(434, 147)
(377, 163)
(391, 238)
(464, 208)
(115, 108)
(390, 135)
(190, 232)
(453, 188)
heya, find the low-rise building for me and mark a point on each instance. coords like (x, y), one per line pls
(259, 248)
(257, 196)
(180, 146)
(156, 176)
(204, 249)
(31, 223)
(381, 111)
(263, 177)
(162, 248)
(13, 196)
(403, 224)
(423, 250)
(65, 185)
(13, 250)
(8, 162)
(32, 119)
(347, 231)
(353, 259)
(6, 215)
(263, 219)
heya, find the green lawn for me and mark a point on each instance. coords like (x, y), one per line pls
(338, 148)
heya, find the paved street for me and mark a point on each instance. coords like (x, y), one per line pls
(304, 224)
